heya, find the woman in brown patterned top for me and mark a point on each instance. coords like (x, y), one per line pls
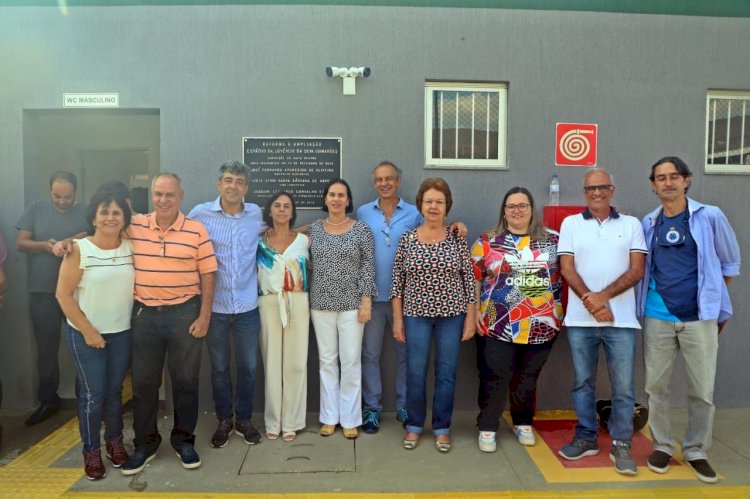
(433, 286)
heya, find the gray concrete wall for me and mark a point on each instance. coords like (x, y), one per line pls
(218, 73)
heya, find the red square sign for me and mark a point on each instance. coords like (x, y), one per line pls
(575, 144)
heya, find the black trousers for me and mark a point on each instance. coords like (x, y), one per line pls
(161, 333)
(508, 367)
(46, 319)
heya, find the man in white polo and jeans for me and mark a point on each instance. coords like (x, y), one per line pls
(602, 255)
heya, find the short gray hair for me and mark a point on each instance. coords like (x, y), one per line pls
(387, 163)
(598, 170)
(235, 168)
(166, 174)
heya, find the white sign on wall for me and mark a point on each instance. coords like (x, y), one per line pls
(91, 100)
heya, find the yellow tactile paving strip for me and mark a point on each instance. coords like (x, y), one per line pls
(32, 475)
(672, 493)
(554, 472)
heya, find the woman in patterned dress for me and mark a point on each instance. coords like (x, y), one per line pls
(341, 291)
(432, 298)
(518, 285)
(283, 262)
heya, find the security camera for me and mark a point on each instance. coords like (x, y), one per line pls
(352, 72)
(348, 76)
(363, 71)
(332, 71)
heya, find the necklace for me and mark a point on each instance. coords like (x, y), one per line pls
(337, 223)
(430, 238)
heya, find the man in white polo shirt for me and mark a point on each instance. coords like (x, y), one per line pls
(602, 254)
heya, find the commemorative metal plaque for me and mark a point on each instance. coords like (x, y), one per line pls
(301, 166)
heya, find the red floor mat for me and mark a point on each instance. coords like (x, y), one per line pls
(559, 432)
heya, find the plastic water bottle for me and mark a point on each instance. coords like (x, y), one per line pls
(554, 191)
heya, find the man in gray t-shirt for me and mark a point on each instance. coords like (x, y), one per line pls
(43, 224)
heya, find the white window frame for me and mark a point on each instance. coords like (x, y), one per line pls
(494, 164)
(744, 124)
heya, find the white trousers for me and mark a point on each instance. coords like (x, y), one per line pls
(284, 351)
(339, 337)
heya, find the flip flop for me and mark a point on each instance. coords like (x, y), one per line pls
(410, 444)
(271, 436)
(443, 446)
(327, 430)
(288, 436)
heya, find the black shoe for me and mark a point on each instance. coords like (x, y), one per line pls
(189, 457)
(138, 461)
(247, 431)
(658, 461)
(220, 437)
(703, 471)
(42, 413)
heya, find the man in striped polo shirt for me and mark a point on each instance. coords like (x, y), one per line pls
(175, 267)
(234, 227)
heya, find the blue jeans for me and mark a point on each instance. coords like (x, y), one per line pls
(101, 372)
(419, 333)
(161, 333)
(46, 319)
(372, 348)
(619, 347)
(244, 328)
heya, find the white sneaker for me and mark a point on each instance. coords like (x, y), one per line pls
(487, 441)
(525, 434)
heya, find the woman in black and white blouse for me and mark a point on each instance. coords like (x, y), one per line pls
(341, 290)
(433, 288)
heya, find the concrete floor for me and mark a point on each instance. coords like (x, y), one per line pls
(368, 467)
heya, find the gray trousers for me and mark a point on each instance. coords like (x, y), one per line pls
(698, 343)
(372, 349)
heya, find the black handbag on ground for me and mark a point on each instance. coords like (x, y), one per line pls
(604, 409)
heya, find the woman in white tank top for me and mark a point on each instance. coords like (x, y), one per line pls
(95, 291)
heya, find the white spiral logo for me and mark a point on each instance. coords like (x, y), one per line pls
(574, 145)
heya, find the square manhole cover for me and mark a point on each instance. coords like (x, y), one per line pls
(308, 453)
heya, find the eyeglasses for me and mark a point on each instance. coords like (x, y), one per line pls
(590, 189)
(387, 231)
(675, 235)
(517, 207)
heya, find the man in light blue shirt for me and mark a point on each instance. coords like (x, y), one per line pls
(388, 217)
(234, 227)
(693, 255)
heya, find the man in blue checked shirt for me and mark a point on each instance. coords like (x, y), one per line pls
(234, 227)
